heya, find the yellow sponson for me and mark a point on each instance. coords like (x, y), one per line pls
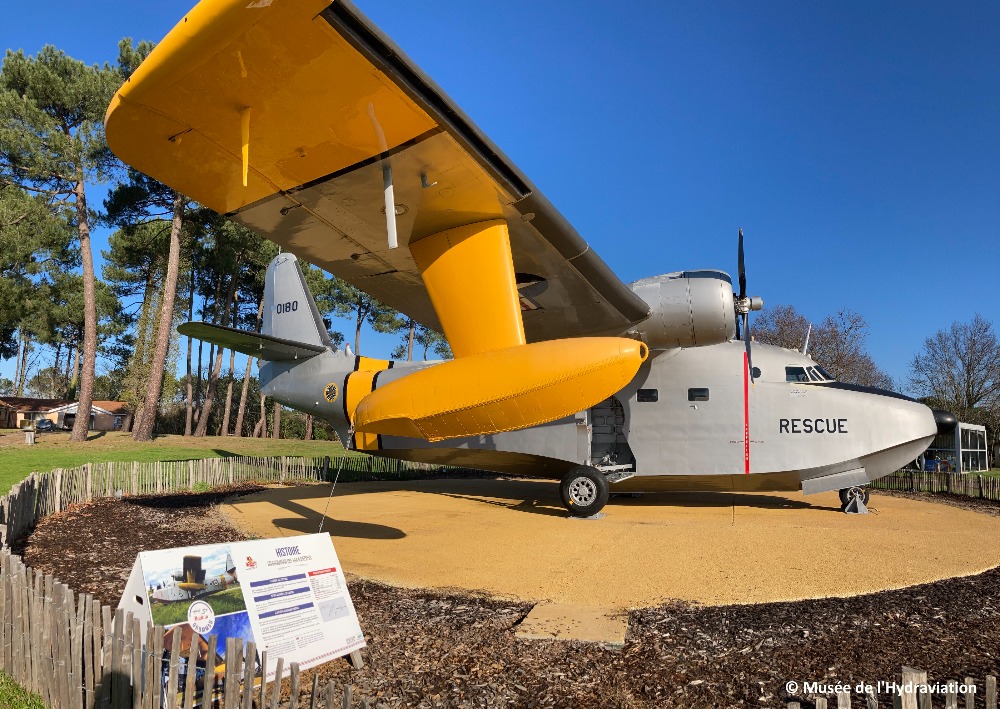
(502, 390)
(469, 274)
(244, 99)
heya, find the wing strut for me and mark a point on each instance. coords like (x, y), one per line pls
(496, 382)
(389, 193)
(245, 141)
(390, 203)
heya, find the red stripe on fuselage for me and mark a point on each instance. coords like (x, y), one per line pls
(746, 414)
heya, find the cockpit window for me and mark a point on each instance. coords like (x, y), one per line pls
(796, 374)
(814, 375)
(826, 374)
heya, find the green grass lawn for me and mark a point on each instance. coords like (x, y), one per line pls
(16, 697)
(54, 450)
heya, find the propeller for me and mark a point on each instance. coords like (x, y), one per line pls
(744, 305)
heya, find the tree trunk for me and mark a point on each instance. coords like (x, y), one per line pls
(245, 387)
(244, 390)
(276, 421)
(309, 427)
(69, 362)
(232, 364)
(189, 403)
(23, 378)
(211, 350)
(137, 377)
(229, 394)
(208, 376)
(143, 429)
(21, 356)
(58, 355)
(197, 384)
(357, 332)
(82, 424)
(261, 431)
(213, 381)
(76, 374)
(409, 342)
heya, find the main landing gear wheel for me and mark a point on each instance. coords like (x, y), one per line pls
(584, 491)
(854, 499)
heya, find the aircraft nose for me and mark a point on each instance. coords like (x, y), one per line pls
(945, 420)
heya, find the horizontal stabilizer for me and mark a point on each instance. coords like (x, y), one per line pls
(265, 347)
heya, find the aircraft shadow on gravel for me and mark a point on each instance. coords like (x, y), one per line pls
(309, 524)
(529, 496)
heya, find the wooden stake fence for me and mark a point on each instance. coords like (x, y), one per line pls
(986, 487)
(42, 494)
(77, 654)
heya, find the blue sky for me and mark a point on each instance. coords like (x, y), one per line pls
(857, 144)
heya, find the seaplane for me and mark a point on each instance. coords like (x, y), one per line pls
(300, 119)
(192, 581)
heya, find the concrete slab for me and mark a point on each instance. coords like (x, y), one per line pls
(567, 621)
(512, 538)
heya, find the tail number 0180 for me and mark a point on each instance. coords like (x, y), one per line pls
(289, 307)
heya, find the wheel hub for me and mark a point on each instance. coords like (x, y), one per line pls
(856, 493)
(582, 492)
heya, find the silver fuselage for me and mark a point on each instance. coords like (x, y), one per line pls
(679, 424)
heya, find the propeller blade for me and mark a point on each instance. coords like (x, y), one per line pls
(746, 341)
(742, 269)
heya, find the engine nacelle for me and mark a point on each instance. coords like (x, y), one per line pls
(688, 309)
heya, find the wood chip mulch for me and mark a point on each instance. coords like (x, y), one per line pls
(431, 649)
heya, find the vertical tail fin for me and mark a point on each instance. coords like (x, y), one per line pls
(289, 309)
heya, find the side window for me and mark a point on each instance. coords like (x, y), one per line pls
(796, 374)
(698, 394)
(647, 395)
(814, 375)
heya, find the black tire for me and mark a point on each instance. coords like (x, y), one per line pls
(584, 491)
(849, 493)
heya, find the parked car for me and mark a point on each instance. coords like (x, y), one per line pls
(44, 425)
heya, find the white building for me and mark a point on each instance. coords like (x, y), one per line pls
(964, 450)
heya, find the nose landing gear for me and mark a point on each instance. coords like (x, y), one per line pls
(854, 500)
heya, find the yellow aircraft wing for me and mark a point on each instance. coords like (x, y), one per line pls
(283, 114)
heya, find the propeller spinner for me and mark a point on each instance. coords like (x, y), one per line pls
(744, 305)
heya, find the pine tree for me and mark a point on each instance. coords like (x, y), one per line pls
(52, 144)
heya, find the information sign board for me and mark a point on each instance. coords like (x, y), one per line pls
(287, 595)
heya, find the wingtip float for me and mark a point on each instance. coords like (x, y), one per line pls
(501, 390)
